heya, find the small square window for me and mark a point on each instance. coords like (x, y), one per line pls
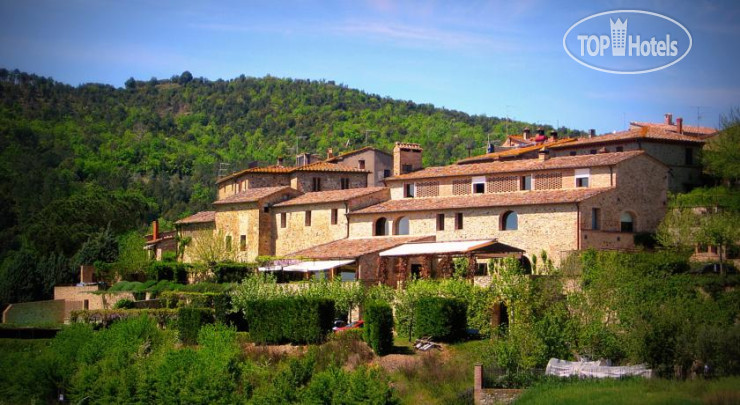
(573, 153)
(317, 184)
(595, 219)
(362, 164)
(386, 173)
(479, 188)
(334, 216)
(526, 182)
(582, 182)
(408, 190)
(620, 148)
(344, 183)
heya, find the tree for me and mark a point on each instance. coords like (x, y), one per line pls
(100, 247)
(132, 258)
(130, 83)
(186, 77)
(721, 155)
(211, 248)
(721, 229)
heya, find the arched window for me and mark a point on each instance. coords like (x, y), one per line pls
(381, 227)
(401, 226)
(509, 221)
(627, 222)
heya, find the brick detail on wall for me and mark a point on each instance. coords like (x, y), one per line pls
(461, 187)
(427, 189)
(548, 181)
(502, 184)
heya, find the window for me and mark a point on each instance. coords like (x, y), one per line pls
(626, 222)
(243, 242)
(407, 168)
(582, 176)
(595, 218)
(228, 242)
(458, 221)
(408, 190)
(689, 156)
(381, 227)
(386, 173)
(334, 216)
(479, 185)
(344, 183)
(440, 222)
(316, 184)
(362, 164)
(592, 151)
(620, 148)
(573, 153)
(509, 221)
(308, 218)
(402, 226)
(283, 219)
(526, 182)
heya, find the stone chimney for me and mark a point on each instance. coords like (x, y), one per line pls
(329, 153)
(87, 274)
(591, 133)
(679, 125)
(280, 161)
(543, 154)
(155, 230)
(669, 119)
(406, 158)
(553, 136)
(526, 133)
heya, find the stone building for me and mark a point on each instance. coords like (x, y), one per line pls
(379, 164)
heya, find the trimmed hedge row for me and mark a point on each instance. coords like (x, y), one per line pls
(219, 301)
(189, 322)
(232, 272)
(165, 270)
(105, 317)
(444, 319)
(379, 327)
(289, 320)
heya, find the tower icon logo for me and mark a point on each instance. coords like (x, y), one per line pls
(619, 36)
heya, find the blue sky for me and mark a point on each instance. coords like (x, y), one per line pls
(495, 58)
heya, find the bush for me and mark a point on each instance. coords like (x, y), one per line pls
(443, 319)
(167, 270)
(379, 327)
(231, 272)
(225, 314)
(105, 317)
(291, 319)
(189, 322)
(123, 304)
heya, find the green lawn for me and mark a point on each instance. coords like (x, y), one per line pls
(635, 391)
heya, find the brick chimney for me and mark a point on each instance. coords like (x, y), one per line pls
(553, 136)
(543, 154)
(669, 119)
(679, 125)
(526, 133)
(155, 230)
(329, 153)
(591, 133)
(406, 158)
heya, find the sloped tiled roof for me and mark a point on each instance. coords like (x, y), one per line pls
(277, 169)
(525, 165)
(514, 152)
(690, 129)
(320, 197)
(251, 195)
(354, 248)
(200, 217)
(354, 152)
(539, 197)
(642, 133)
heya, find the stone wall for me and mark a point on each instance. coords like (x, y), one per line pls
(297, 236)
(235, 220)
(375, 163)
(303, 181)
(252, 180)
(196, 233)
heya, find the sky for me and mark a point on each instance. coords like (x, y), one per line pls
(499, 58)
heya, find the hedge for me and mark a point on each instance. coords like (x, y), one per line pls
(444, 319)
(232, 272)
(379, 327)
(289, 320)
(163, 270)
(105, 317)
(189, 322)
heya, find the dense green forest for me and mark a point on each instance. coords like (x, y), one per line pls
(76, 160)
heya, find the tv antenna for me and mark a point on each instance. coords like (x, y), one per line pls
(223, 169)
(699, 115)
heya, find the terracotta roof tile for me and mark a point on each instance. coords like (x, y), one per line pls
(251, 195)
(201, 217)
(407, 145)
(648, 133)
(525, 165)
(354, 248)
(514, 152)
(320, 197)
(276, 169)
(484, 200)
(691, 129)
(353, 152)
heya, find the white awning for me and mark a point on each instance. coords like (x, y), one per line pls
(436, 248)
(278, 265)
(319, 265)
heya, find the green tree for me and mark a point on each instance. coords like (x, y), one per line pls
(721, 155)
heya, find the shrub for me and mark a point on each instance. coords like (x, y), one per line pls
(379, 327)
(443, 319)
(225, 314)
(105, 317)
(189, 322)
(291, 319)
(123, 304)
(232, 272)
(167, 270)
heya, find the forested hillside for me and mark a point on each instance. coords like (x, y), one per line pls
(75, 159)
